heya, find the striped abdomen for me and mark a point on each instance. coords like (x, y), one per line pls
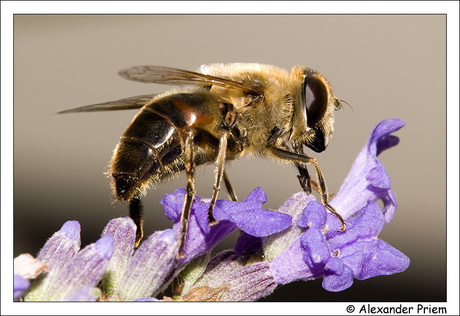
(150, 149)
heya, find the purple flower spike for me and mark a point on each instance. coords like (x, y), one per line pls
(56, 254)
(226, 279)
(362, 253)
(123, 232)
(151, 266)
(62, 246)
(85, 269)
(20, 286)
(247, 215)
(338, 256)
(367, 179)
(301, 241)
(361, 250)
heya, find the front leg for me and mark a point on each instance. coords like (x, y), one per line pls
(301, 160)
(304, 177)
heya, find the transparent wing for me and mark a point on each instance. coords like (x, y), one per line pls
(135, 102)
(166, 75)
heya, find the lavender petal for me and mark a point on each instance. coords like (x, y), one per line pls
(123, 232)
(367, 179)
(86, 269)
(57, 252)
(275, 244)
(20, 285)
(150, 267)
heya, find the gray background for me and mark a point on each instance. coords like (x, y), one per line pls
(383, 65)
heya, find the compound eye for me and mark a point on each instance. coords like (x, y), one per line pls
(315, 98)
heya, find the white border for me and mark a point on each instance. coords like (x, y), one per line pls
(288, 7)
(228, 7)
(453, 158)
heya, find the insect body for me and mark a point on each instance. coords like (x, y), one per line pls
(220, 113)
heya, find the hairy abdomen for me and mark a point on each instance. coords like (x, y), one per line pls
(150, 149)
(148, 152)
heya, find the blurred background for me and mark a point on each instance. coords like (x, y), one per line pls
(384, 66)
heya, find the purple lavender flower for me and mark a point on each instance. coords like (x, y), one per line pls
(70, 270)
(154, 264)
(324, 251)
(246, 215)
(301, 241)
(85, 269)
(367, 179)
(227, 278)
(338, 256)
(315, 247)
(130, 275)
(57, 252)
(151, 267)
(123, 232)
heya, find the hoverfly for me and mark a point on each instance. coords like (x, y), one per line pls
(219, 113)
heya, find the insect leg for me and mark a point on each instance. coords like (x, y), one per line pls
(190, 195)
(230, 190)
(325, 195)
(306, 182)
(302, 158)
(304, 177)
(136, 214)
(220, 163)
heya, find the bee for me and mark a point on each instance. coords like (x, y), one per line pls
(217, 114)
